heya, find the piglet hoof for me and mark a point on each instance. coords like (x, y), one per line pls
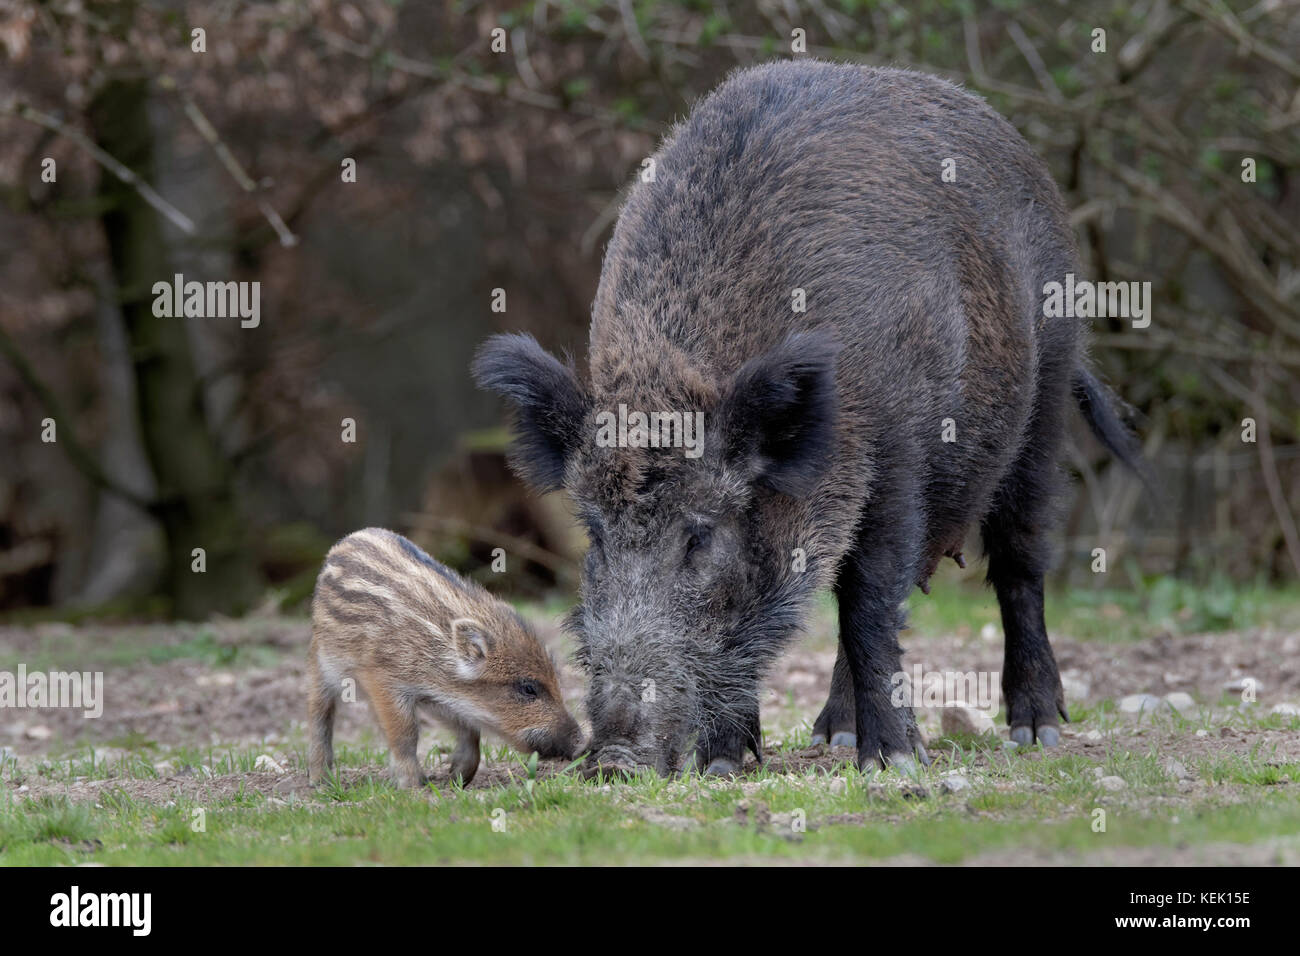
(845, 738)
(722, 767)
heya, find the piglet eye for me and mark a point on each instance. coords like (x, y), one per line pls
(526, 689)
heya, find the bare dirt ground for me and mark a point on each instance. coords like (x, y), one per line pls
(189, 702)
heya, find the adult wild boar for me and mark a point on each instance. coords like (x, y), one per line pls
(867, 344)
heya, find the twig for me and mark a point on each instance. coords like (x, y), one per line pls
(147, 192)
(81, 458)
(971, 33)
(633, 31)
(486, 84)
(1272, 483)
(1035, 62)
(227, 158)
(562, 567)
(1223, 21)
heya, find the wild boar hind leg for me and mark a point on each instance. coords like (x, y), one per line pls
(837, 723)
(1015, 540)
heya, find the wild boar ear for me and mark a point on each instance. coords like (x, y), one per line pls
(779, 414)
(550, 405)
(471, 641)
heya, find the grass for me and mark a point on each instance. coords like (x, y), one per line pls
(144, 803)
(1015, 803)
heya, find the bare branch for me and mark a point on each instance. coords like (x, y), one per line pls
(147, 192)
(79, 455)
(228, 160)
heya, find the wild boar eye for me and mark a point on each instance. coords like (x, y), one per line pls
(699, 539)
(527, 689)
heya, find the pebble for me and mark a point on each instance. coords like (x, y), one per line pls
(954, 783)
(1112, 783)
(1137, 703)
(1074, 688)
(1286, 710)
(1176, 770)
(960, 719)
(267, 762)
(989, 632)
(1180, 701)
(38, 732)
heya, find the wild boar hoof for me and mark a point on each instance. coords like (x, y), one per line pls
(908, 764)
(1047, 735)
(845, 738)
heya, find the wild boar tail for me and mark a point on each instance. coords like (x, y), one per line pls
(1109, 418)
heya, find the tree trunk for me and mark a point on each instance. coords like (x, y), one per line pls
(196, 498)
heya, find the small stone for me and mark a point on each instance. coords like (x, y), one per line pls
(219, 679)
(839, 786)
(1074, 687)
(266, 762)
(954, 783)
(38, 732)
(1286, 710)
(960, 719)
(989, 632)
(1112, 783)
(1176, 770)
(1202, 733)
(1093, 735)
(1180, 701)
(1138, 703)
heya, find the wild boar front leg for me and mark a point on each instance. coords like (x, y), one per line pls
(720, 750)
(874, 579)
(397, 718)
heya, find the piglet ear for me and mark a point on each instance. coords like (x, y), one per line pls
(470, 640)
(550, 406)
(779, 414)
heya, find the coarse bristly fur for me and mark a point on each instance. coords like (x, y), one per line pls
(410, 632)
(824, 462)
